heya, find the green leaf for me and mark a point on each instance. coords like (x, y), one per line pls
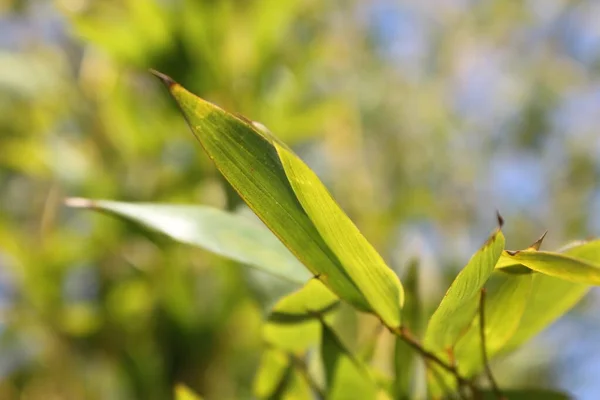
(295, 387)
(346, 377)
(271, 374)
(294, 204)
(227, 234)
(293, 324)
(504, 306)
(554, 264)
(527, 394)
(552, 297)
(459, 305)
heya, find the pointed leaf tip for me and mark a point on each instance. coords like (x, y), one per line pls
(167, 80)
(537, 244)
(500, 219)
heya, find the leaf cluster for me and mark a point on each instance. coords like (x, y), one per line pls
(498, 301)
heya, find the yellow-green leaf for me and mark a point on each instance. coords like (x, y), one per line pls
(459, 305)
(365, 267)
(230, 235)
(552, 297)
(347, 377)
(554, 264)
(271, 374)
(294, 204)
(504, 306)
(293, 324)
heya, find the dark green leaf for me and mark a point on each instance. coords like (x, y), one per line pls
(294, 204)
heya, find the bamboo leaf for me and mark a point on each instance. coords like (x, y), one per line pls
(293, 324)
(346, 377)
(223, 233)
(506, 301)
(271, 374)
(365, 267)
(458, 307)
(294, 204)
(554, 264)
(552, 297)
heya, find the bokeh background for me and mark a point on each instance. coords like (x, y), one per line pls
(422, 117)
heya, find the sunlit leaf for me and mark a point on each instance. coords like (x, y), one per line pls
(227, 234)
(504, 306)
(293, 324)
(271, 373)
(459, 305)
(552, 297)
(295, 387)
(294, 204)
(556, 265)
(347, 378)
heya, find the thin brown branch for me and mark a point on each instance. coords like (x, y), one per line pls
(408, 338)
(486, 364)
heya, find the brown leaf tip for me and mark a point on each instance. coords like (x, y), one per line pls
(167, 80)
(536, 245)
(500, 219)
(513, 252)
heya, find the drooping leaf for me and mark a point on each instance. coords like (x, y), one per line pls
(183, 392)
(504, 306)
(347, 378)
(294, 204)
(552, 297)
(527, 394)
(227, 234)
(293, 324)
(459, 305)
(554, 264)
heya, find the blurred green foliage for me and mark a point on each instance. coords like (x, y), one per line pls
(422, 120)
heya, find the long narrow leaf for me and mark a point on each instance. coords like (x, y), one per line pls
(294, 204)
(227, 234)
(504, 308)
(458, 307)
(555, 264)
(552, 297)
